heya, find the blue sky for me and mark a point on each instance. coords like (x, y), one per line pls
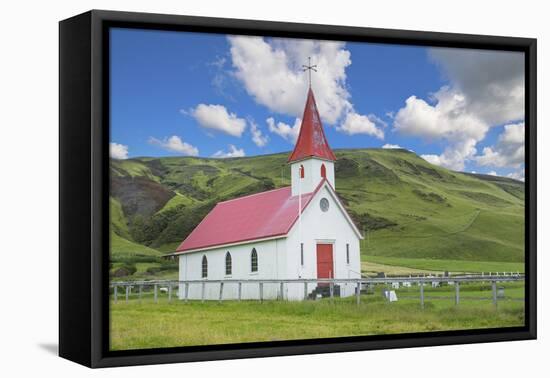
(176, 93)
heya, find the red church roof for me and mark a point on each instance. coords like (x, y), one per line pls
(257, 216)
(311, 140)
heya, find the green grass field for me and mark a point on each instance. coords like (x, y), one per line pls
(400, 265)
(144, 324)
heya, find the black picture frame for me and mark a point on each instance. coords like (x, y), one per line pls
(84, 188)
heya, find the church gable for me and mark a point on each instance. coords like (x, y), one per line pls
(326, 190)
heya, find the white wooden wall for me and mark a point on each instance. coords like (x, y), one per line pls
(271, 265)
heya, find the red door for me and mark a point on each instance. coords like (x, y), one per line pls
(325, 265)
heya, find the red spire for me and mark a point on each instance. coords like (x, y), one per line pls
(311, 140)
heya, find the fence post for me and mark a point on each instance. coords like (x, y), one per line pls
(281, 290)
(494, 284)
(155, 293)
(240, 290)
(127, 292)
(169, 292)
(261, 291)
(457, 292)
(221, 292)
(202, 291)
(331, 291)
(422, 294)
(358, 292)
(305, 290)
(186, 292)
(116, 293)
(140, 290)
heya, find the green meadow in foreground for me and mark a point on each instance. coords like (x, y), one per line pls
(144, 324)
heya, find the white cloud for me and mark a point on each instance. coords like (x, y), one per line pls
(448, 119)
(492, 173)
(391, 146)
(486, 90)
(359, 124)
(217, 117)
(118, 151)
(493, 82)
(290, 133)
(509, 150)
(175, 144)
(455, 155)
(518, 175)
(233, 152)
(271, 72)
(258, 137)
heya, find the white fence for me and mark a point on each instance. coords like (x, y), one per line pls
(308, 284)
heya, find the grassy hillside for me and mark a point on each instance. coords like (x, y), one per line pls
(409, 209)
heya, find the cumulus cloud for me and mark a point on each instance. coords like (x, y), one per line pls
(391, 146)
(289, 133)
(454, 155)
(359, 124)
(492, 82)
(175, 144)
(448, 119)
(216, 117)
(509, 150)
(492, 173)
(518, 175)
(271, 72)
(258, 137)
(233, 152)
(486, 90)
(118, 151)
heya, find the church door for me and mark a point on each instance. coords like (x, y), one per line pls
(325, 264)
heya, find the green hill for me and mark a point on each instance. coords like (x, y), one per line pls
(412, 212)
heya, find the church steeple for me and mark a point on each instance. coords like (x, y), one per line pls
(311, 140)
(312, 160)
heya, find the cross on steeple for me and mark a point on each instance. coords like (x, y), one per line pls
(309, 68)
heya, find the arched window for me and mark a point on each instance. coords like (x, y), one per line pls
(228, 264)
(204, 271)
(323, 171)
(302, 173)
(254, 260)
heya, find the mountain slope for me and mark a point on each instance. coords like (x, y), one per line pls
(407, 207)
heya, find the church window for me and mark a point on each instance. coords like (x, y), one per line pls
(323, 171)
(347, 253)
(204, 272)
(302, 173)
(302, 254)
(228, 267)
(254, 260)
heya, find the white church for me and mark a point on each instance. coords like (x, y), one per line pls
(296, 232)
